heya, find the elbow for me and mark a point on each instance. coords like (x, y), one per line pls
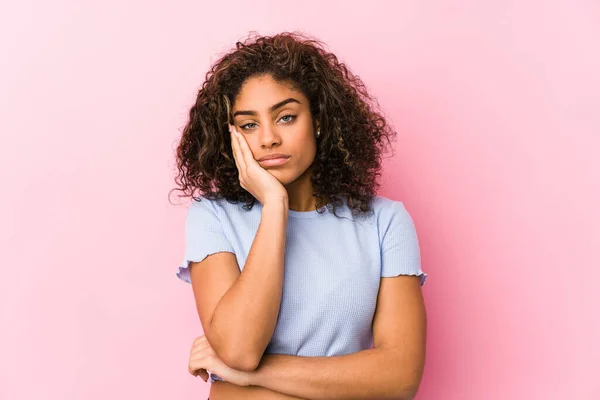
(407, 391)
(241, 361)
(406, 386)
(405, 396)
(236, 354)
(242, 364)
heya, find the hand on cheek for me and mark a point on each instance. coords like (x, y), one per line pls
(253, 177)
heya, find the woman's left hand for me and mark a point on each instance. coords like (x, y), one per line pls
(204, 359)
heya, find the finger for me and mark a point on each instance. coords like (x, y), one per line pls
(237, 152)
(202, 374)
(199, 353)
(192, 369)
(199, 340)
(201, 360)
(240, 142)
(245, 149)
(234, 152)
(200, 346)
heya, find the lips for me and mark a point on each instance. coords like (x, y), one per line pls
(274, 160)
(273, 156)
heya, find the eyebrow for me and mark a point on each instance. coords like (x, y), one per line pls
(271, 109)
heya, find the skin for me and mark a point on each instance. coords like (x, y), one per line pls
(259, 130)
(394, 367)
(288, 129)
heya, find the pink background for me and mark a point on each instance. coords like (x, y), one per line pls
(497, 106)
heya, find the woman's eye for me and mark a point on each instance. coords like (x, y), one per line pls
(286, 119)
(289, 117)
(246, 125)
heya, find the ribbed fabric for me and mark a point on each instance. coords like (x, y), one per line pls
(332, 268)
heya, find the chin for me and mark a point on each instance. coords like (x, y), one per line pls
(284, 177)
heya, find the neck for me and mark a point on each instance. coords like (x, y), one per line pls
(300, 193)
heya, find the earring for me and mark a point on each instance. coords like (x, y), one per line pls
(318, 133)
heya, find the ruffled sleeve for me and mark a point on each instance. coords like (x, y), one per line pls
(203, 236)
(400, 252)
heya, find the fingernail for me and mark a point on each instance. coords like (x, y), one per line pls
(235, 133)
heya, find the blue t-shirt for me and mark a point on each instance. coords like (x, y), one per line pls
(332, 267)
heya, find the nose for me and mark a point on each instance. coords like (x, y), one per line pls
(269, 137)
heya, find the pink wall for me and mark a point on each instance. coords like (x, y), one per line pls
(497, 104)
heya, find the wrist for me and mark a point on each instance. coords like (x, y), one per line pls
(260, 376)
(277, 203)
(248, 379)
(254, 378)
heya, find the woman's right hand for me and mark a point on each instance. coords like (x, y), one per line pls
(253, 177)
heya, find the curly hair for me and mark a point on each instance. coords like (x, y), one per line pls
(354, 132)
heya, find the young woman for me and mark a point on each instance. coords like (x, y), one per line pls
(307, 283)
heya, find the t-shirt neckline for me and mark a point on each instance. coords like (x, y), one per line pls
(303, 214)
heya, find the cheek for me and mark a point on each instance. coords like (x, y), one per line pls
(253, 144)
(310, 145)
(309, 150)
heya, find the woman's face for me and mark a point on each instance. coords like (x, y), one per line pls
(276, 119)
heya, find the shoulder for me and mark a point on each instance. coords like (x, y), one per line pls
(393, 220)
(385, 210)
(207, 212)
(227, 214)
(202, 204)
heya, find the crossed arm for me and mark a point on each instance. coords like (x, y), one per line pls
(392, 369)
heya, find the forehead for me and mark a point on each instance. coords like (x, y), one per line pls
(261, 92)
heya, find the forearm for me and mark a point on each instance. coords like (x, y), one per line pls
(244, 319)
(378, 373)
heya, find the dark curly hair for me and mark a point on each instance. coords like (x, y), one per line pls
(354, 132)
